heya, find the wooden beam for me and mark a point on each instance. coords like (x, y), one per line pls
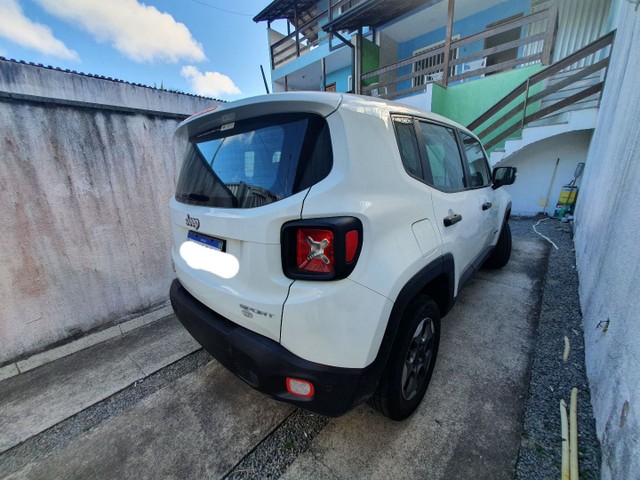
(576, 56)
(447, 42)
(495, 141)
(501, 121)
(402, 63)
(497, 49)
(408, 76)
(497, 67)
(468, 40)
(357, 74)
(503, 27)
(592, 90)
(498, 106)
(544, 112)
(579, 75)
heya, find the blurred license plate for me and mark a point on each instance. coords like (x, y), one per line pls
(212, 242)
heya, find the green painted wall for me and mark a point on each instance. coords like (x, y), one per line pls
(466, 101)
(370, 59)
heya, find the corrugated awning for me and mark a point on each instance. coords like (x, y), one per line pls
(283, 9)
(373, 13)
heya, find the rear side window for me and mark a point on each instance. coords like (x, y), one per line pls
(408, 145)
(253, 163)
(443, 157)
(479, 175)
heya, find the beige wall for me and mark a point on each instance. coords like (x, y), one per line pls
(84, 195)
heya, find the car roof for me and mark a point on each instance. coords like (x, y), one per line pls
(370, 104)
(323, 103)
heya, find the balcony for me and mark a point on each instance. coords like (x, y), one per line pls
(304, 22)
(487, 40)
(509, 44)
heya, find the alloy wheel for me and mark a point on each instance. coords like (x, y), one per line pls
(418, 359)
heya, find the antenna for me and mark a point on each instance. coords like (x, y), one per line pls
(264, 79)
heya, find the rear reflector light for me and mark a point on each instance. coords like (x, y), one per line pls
(299, 388)
(353, 240)
(314, 250)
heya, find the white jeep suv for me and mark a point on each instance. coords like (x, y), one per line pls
(320, 237)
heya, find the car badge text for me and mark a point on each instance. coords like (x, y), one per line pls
(249, 312)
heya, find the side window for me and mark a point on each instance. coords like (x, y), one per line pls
(408, 145)
(443, 157)
(480, 175)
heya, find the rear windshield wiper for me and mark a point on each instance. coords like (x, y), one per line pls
(196, 197)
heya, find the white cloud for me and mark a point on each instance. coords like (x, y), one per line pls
(18, 29)
(140, 32)
(209, 83)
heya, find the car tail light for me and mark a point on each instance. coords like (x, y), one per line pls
(321, 249)
(314, 250)
(300, 388)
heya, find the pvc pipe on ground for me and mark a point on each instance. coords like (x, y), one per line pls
(573, 435)
(564, 424)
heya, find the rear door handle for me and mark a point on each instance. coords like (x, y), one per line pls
(452, 219)
(487, 205)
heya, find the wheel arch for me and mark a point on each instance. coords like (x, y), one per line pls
(437, 279)
(507, 213)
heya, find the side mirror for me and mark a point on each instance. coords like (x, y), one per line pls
(504, 176)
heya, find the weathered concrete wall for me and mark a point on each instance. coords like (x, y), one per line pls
(25, 80)
(84, 194)
(608, 256)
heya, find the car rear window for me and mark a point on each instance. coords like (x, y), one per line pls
(256, 162)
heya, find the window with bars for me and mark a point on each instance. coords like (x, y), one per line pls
(432, 61)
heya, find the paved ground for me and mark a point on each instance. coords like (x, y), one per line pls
(193, 419)
(41, 398)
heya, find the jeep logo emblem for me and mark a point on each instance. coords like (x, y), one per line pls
(192, 222)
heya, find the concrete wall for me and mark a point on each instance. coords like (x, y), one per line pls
(538, 176)
(19, 80)
(423, 100)
(88, 167)
(608, 256)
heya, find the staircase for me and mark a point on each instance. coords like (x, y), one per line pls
(563, 97)
(583, 119)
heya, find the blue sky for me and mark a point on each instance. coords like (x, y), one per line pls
(195, 46)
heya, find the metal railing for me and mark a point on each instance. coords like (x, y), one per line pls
(534, 45)
(308, 35)
(533, 99)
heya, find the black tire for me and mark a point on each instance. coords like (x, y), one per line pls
(502, 253)
(410, 365)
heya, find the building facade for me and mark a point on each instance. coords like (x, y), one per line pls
(460, 60)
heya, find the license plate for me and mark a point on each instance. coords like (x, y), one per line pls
(212, 242)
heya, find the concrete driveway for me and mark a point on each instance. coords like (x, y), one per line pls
(208, 424)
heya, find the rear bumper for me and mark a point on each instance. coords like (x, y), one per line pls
(265, 364)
